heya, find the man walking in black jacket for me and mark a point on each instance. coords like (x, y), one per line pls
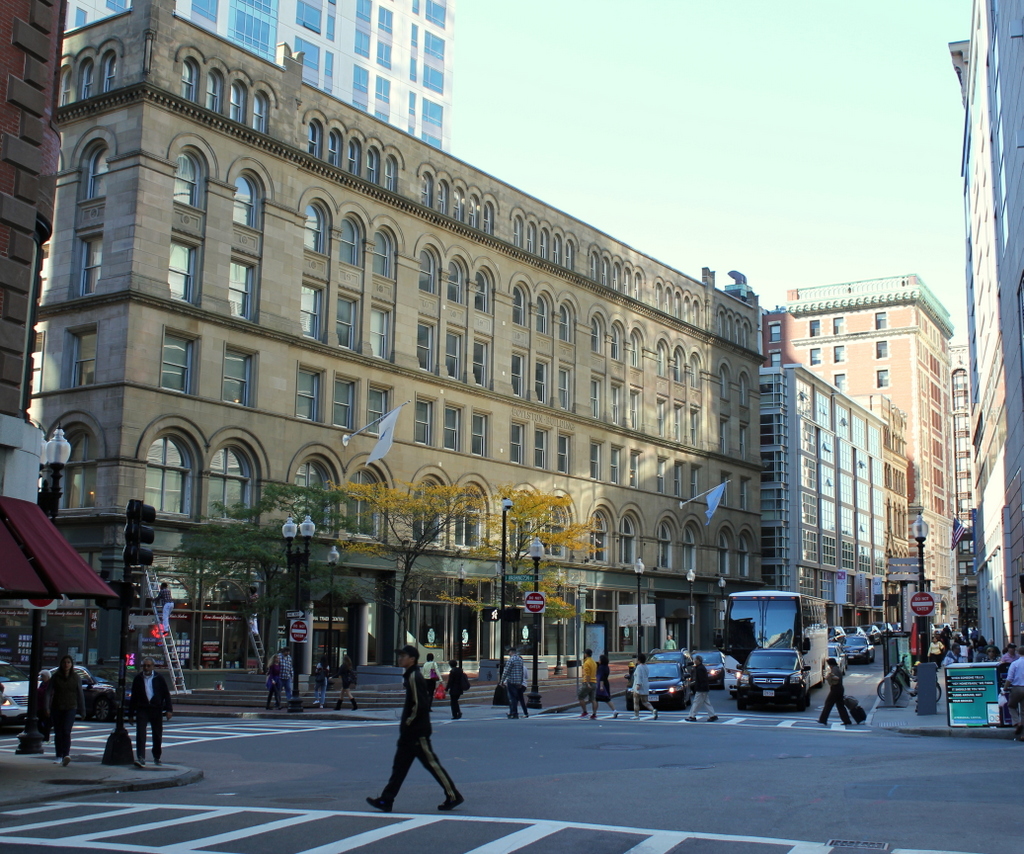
(150, 700)
(414, 738)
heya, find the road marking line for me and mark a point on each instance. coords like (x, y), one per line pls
(370, 836)
(514, 841)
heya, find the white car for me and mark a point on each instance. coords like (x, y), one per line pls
(14, 705)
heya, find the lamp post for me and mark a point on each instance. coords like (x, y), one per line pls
(638, 568)
(691, 576)
(296, 561)
(458, 616)
(54, 455)
(721, 590)
(919, 531)
(536, 553)
(499, 690)
(332, 562)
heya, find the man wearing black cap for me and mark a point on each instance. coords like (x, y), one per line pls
(414, 738)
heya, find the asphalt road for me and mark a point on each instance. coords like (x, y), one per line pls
(748, 784)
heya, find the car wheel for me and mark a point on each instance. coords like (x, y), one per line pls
(801, 702)
(102, 709)
(741, 704)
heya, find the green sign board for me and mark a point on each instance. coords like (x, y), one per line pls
(972, 695)
(524, 578)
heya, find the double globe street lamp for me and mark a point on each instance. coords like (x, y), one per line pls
(297, 561)
(638, 568)
(919, 531)
(536, 552)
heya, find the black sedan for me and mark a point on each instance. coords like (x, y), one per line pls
(715, 664)
(859, 650)
(668, 685)
(100, 696)
(777, 676)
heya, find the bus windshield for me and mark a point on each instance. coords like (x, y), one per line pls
(763, 623)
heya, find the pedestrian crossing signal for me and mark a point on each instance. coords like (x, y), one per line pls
(491, 615)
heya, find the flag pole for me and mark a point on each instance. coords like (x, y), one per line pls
(345, 439)
(682, 504)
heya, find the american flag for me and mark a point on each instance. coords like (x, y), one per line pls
(958, 532)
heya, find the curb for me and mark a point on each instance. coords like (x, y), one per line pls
(62, 793)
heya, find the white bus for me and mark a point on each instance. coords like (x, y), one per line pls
(778, 619)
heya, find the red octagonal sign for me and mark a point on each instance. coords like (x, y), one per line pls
(534, 602)
(922, 604)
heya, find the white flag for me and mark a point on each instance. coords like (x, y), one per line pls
(714, 497)
(387, 435)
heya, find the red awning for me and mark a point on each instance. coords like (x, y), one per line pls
(29, 541)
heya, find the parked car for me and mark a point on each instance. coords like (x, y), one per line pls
(681, 656)
(859, 650)
(100, 696)
(714, 661)
(14, 705)
(874, 632)
(106, 673)
(777, 676)
(854, 630)
(836, 633)
(668, 685)
(838, 652)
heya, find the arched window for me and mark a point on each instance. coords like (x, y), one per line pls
(664, 546)
(482, 292)
(334, 148)
(517, 232)
(594, 265)
(474, 212)
(723, 553)
(488, 218)
(570, 255)
(383, 255)
(214, 90)
(456, 283)
(355, 156)
(458, 205)
(694, 370)
(372, 165)
(743, 557)
(615, 350)
(189, 79)
(311, 474)
(230, 481)
(556, 250)
(695, 308)
(542, 316)
(545, 240)
(604, 271)
(636, 350)
(351, 243)
(65, 87)
(467, 528)
(723, 382)
(565, 323)
(616, 272)
(428, 272)
(689, 550)
(246, 209)
(236, 110)
(661, 362)
(186, 181)
(637, 286)
(316, 229)
(744, 390)
(596, 335)
(627, 541)
(391, 174)
(168, 475)
(427, 191)
(109, 71)
(531, 237)
(85, 82)
(599, 538)
(678, 365)
(367, 522)
(260, 112)
(80, 473)
(518, 306)
(315, 138)
(96, 173)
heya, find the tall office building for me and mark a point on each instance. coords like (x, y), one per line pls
(391, 58)
(988, 68)
(963, 472)
(886, 337)
(225, 300)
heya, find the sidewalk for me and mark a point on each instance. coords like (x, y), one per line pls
(904, 719)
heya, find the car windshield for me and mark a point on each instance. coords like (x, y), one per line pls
(663, 671)
(765, 659)
(856, 640)
(850, 630)
(711, 659)
(10, 673)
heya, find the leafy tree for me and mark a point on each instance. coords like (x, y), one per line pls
(405, 523)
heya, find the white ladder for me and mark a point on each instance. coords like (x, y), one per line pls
(170, 647)
(257, 644)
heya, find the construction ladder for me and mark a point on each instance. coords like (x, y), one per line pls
(257, 643)
(170, 647)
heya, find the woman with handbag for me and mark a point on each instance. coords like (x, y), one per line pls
(347, 672)
(432, 674)
(274, 681)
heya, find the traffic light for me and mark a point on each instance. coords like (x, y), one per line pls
(136, 532)
(125, 596)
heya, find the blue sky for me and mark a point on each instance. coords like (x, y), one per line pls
(799, 142)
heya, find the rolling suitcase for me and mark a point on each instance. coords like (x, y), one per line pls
(856, 709)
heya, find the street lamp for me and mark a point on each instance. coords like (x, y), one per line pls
(458, 615)
(332, 561)
(296, 561)
(919, 531)
(499, 689)
(536, 553)
(691, 576)
(638, 568)
(55, 455)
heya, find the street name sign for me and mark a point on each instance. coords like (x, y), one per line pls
(922, 604)
(521, 578)
(294, 615)
(902, 576)
(534, 602)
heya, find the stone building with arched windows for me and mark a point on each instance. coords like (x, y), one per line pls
(229, 291)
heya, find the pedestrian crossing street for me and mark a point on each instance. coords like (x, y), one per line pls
(185, 829)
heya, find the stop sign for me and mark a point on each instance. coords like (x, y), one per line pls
(534, 602)
(922, 604)
(299, 631)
